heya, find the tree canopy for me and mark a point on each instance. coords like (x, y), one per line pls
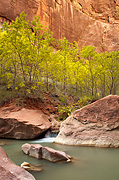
(31, 60)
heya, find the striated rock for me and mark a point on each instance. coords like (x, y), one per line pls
(88, 22)
(96, 124)
(99, 9)
(40, 152)
(9, 170)
(22, 123)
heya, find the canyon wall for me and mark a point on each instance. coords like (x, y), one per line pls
(88, 22)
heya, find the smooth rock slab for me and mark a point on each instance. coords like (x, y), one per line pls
(23, 123)
(96, 124)
(40, 152)
(10, 171)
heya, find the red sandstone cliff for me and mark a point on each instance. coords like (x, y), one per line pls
(89, 22)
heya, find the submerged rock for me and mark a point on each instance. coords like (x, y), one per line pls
(40, 152)
(9, 170)
(3, 143)
(96, 124)
(23, 123)
(31, 167)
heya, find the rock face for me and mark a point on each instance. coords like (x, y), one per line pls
(40, 152)
(88, 22)
(23, 123)
(96, 124)
(10, 9)
(9, 170)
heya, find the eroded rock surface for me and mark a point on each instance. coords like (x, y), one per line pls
(22, 123)
(9, 170)
(88, 22)
(96, 124)
(40, 152)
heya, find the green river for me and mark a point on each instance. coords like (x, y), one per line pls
(89, 163)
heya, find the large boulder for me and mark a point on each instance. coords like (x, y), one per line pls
(22, 123)
(40, 152)
(88, 22)
(96, 124)
(9, 170)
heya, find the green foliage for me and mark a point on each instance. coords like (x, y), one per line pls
(65, 111)
(23, 47)
(31, 61)
(117, 12)
(85, 101)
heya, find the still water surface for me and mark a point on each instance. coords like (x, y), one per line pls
(89, 163)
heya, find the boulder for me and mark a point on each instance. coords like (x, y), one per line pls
(22, 123)
(53, 155)
(96, 124)
(9, 170)
(40, 152)
(88, 22)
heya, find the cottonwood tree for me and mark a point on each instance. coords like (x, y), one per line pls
(21, 46)
(88, 53)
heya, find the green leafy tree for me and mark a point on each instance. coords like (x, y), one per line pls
(112, 71)
(22, 46)
(88, 53)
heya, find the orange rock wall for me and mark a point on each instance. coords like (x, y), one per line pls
(89, 22)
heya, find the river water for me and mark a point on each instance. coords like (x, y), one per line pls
(89, 163)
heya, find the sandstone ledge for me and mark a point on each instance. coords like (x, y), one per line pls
(22, 123)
